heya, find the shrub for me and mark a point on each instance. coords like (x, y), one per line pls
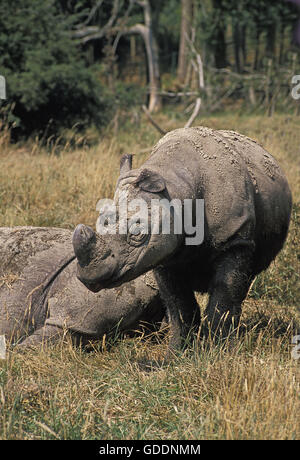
(48, 82)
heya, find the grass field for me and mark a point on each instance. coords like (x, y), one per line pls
(246, 389)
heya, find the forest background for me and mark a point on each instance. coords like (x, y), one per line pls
(77, 64)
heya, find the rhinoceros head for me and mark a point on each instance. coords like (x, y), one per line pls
(127, 243)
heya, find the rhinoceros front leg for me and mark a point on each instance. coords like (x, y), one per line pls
(182, 309)
(227, 290)
(45, 335)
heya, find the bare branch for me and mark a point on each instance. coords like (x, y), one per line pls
(86, 31)
(199, 67)
(91, 14)
(123, 22)
(114, 14)
(142, 3)
(89, 33)
(194, 114)
(179, 94)
(136, 29)
(223, 97)
(201, 74)
(146, 111)
(115, 29)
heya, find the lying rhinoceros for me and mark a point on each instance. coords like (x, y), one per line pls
(243, 224)
(41, 297)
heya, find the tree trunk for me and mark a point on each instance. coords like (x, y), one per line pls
(281, 44)
(154, 72)
(270, 41)
(244, 45)
(220, 49)
(186, 28)
(237, 46)
(133, 48)
(257, 44)
(88, 33)
(146, 31)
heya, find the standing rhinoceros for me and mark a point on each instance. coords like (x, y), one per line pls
(41, 297)
(247, 207)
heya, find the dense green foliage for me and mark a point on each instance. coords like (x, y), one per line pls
(259, 27)
(48, 81)
(57, 78)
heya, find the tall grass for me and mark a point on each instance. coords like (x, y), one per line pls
(247, 388)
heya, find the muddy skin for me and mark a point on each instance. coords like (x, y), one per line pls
(41, 298)
(246, 219)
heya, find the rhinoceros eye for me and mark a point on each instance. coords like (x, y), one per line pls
(137, 234)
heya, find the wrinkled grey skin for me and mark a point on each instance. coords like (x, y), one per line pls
(247, 213)
(41, 297)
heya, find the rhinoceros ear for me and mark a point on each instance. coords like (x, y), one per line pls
(150, 181)
(125, 164)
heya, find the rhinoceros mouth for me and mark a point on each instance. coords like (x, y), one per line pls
(115, 280)
(96, 285)
(93, 286)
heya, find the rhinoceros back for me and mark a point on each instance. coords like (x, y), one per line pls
(272, 196)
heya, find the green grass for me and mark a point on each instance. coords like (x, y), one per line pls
(245, 389)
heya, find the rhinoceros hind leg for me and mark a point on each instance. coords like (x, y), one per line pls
(229, 287)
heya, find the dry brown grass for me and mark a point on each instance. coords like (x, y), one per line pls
(246, 389)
